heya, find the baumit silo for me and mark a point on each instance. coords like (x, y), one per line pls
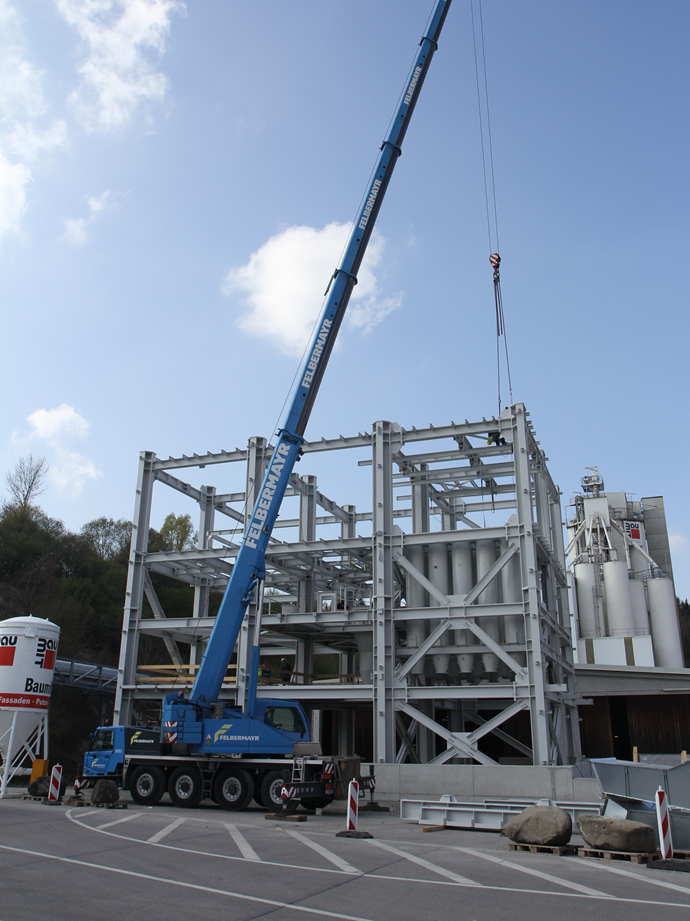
(28, 648)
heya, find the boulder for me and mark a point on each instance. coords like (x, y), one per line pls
(547, 825)
(608, 834)
(105, 791)
(39, 787)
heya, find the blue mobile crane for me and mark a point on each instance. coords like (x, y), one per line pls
(199, 734)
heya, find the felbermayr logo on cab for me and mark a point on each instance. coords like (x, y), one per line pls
(220, 732)
(135, 738)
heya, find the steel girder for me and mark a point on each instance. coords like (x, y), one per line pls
(449, 485)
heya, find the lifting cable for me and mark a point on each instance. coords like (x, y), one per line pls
(494, 258)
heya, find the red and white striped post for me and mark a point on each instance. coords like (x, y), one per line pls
(664, 822)
(352, 805)
(55, 781)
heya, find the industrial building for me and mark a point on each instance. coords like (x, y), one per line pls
(442, 607)
(627, 643)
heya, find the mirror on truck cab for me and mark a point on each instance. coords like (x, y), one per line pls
(289, 719)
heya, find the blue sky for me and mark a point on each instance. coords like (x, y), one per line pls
(175, 181)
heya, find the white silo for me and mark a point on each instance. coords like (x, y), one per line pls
(639, 607)
(486, 557)
(586, 576)
(365, 648)
(438, 576)
(461, 557)
(514, 624)
(28, 648)
(416, 597)
(668, 648)
(619, 609)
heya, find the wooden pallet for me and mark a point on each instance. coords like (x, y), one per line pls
(99, 805)
(617, 855)
(681, 855)
(563, 850)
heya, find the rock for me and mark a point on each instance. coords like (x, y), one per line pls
(39, 787)
(607, 834)
(105, 791)
(547, 825)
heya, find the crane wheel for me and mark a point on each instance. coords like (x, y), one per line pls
(185, 787)
(271, 786)
(147, 785)
(233, 789)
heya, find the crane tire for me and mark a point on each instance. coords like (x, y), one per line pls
(185, 788)
(270, 791)
(147, 785)
(233, 789)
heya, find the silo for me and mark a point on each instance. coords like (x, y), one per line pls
(639, 607)
(514, 624)
(668, 649)
(438, 576)
(486, 557)
(586, 575)
(365, 647)
(28, 647)
(416, 597)
(461, 556)
(618, 601)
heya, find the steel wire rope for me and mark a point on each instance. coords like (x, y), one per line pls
(495, 258)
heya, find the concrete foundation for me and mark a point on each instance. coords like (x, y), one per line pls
(475, 783)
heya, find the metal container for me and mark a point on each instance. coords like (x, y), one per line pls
(668, 649)
(461, 559)
(618, 601)
(439, 577)
(638, 597)
(586, 576)
(486, 557)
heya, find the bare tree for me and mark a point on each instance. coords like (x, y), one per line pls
(28, 480)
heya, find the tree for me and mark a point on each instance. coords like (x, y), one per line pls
(28, 480)
(177, 532)
(108, 538)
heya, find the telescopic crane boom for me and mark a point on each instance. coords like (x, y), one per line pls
(247, 579)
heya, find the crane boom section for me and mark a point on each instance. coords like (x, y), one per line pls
(250, 565)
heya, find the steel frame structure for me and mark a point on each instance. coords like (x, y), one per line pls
(404, 603)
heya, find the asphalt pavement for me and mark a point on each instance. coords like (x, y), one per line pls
(161, 863)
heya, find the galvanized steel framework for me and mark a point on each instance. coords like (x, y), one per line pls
(445, 612)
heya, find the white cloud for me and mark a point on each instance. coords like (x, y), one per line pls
(678, 543)
(58, 428)
(284, 281)
(78, 230)
(117, 75)
(14, 179)
(21, 103)
(56, 425)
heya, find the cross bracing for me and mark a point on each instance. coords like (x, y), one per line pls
(453, 633)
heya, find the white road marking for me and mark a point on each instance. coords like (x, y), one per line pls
(154, 839)
(329, 855)
(532, 872)
(189, 850)
(420, 861)
(127, 818)
(396, 879)
(196, 886)
(244, 846)
(645, 879)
